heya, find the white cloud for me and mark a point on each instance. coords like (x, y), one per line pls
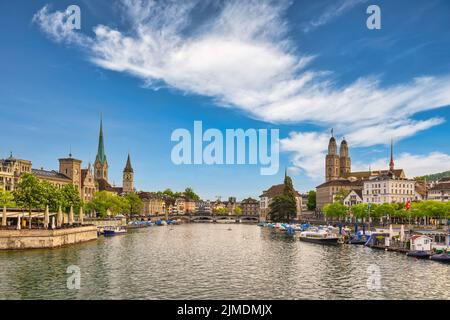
(413, 164)
(308, 152)
(331, 13)
(242, 58)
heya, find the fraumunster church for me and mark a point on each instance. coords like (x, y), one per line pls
(87, 181)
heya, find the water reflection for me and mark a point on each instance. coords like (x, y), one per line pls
(205, 261)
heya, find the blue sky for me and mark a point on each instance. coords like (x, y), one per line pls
(302, 67)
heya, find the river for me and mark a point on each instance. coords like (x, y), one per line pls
(208, 261)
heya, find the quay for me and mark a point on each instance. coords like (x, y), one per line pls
(45, 238)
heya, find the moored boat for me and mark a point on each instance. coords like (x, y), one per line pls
(108, 232)
(419, 254)
(441, 257)
(319, 236)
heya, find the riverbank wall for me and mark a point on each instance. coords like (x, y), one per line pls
(106, 222)
(43, 238)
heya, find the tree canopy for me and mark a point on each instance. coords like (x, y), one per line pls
(283, 208)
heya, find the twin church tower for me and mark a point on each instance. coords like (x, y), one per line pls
(337, 165)
(101, 169)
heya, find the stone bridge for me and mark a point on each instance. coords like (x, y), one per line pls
(209, 218)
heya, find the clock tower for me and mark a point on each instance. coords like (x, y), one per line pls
(128, 177)
(71, 168)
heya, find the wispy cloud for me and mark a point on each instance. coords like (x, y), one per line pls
(332, 12)
(241, 57)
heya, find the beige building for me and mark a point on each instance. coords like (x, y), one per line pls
(440, 191)
(88, 186)
(250, 207)
(54, 177)
(10, 171)
(230, 205)
(327, 192)
(70, 172)
(153, 204)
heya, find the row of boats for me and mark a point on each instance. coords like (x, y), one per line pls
(421, 244)
(109, 231)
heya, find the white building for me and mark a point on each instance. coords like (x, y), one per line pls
(389, 189)
(440, 191)
(354, 197)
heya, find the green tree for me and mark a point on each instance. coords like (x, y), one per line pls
(133, 203)
(282, 208)
(189, 193)
(103, 201)
(220, 211)
(70, 197)
(360, 210)
(29, 193)
(52, 196)
(384, 210)
(311, 204)
(100, 203)
(335, 210)
(6, 198)
(238, 211)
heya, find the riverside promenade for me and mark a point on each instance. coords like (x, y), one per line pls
(15, 232)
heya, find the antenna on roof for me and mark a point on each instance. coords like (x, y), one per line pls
(332, 132)
(70, 151)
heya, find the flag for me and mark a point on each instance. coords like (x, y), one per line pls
(408, 205)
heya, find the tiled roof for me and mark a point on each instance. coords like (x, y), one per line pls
(103, 185)
(149, 195)
(50, 174)
(441, 186)
(341, 183)
(249, 201)
(274, 191)
(368, 174)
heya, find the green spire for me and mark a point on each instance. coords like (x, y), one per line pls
(101, 157)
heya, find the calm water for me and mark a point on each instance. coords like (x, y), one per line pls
(206, 261)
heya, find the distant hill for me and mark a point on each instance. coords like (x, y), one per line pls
(435, 176)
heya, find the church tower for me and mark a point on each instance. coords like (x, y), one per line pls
(128, 177)
(345, 161)
(332, 160)
(71, 168)
(391, 163)
(101, 164)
